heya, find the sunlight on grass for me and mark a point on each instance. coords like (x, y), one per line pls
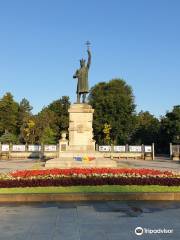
(91, 189)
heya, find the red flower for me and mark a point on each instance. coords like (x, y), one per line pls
(89, 171)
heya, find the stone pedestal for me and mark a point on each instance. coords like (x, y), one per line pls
(63, 143)
(81, 143)
(80, 128)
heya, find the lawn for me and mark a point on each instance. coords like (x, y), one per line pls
(92, 189)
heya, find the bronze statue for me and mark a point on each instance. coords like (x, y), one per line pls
(82, 76)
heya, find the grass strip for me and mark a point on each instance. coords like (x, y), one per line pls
(91, 189)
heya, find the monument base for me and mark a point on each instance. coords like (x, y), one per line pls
(72, 163)
(80, 128)
(79, 151)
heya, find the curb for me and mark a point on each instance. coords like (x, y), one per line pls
(53, 197)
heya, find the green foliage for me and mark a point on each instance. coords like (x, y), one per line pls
(8, 114)
(8, 138)
(39, 128)
(25, 107)
(46, 119)
(170, 128)
(146, 129)
(106, 131)
(28, 130)
(115, 121)
(24, 115)
(48, 136)
(60, 109)
(47, 124)
(24, 111)
(114, 104)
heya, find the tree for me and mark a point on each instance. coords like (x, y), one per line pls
(106, 131)
(46, 120)
(146, 129)
(24, 112)
(60, 108)
(48, 136)
(8, 138)
(114, 105)
(28, 131)
(47, 125)
(8, 114)
(170, 128)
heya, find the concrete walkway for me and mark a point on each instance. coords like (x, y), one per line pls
(113, 220)
(162, 163)
(11, 165)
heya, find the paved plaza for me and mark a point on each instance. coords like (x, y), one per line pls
(158, 163)
(19, 164)
(111, 220)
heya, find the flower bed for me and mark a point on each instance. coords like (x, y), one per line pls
(89, 176)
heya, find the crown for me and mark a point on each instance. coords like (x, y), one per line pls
(82, 60)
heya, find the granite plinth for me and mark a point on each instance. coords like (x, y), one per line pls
(80, 128)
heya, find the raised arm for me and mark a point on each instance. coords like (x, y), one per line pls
(89, 59)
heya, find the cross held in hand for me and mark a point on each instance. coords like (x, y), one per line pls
(88, 44)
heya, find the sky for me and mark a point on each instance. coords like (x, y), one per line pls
(41, 42)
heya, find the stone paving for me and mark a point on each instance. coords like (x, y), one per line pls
(19, 164)
(158, 163)
(110, 220)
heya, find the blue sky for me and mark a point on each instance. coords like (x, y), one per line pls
(41, 42)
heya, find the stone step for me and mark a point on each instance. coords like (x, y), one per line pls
(71, 163)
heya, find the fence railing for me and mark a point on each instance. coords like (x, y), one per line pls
(127, 148)
(11, 151)
(23, 150)
(28, 148)
(146, 150)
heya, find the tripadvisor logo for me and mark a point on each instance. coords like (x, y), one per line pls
(139, 231)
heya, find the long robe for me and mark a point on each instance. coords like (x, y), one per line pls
(82, 75)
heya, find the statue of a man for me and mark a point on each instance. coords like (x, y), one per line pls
(82, 76)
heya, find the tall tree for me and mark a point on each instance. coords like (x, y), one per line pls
(24, 109)
(146, 129)
(114, 105)
(46, 123)
(48, 136)
(60, 108)
(106, 131)
(8, 114)
(24, 112)
(28, 131)
(170, 128)
(8, 138)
